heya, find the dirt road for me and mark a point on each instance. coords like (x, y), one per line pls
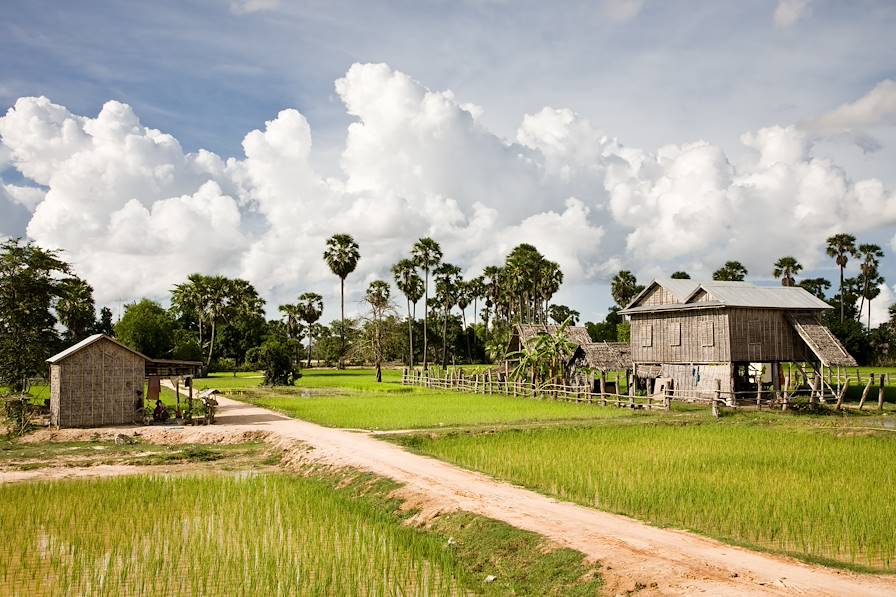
(635, 556)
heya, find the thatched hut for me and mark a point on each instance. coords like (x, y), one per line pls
(595, 360)
(96, 382)
(524, 332)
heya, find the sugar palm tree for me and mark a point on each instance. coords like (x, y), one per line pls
(311, 307)
(342, 255)
(841, 247)
(292, 319)
(787, 268)
(624, 287)
(680, 275)
(448, 281)
(76, 309)
(378, 297)
(410, 284)
(732, 271)
(426, 254)
(871, 255)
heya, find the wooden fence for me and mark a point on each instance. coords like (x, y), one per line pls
(816, 390)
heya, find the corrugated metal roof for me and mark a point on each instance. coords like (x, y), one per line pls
(84, 344)
(680, 289)
(744, 294)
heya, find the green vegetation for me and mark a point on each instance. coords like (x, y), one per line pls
(820, 493)
(260, 534)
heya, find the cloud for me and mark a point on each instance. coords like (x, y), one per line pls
(788, 12)
(879, 306)
(622, 10)
(136, 213)
(849, 120)
(241, 7)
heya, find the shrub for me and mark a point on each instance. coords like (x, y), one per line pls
(275, 358)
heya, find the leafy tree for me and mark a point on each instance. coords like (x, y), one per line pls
(104, 324)
(816, 286)
(679, 275)
(786, 268)
(869, 274)
(295, 330)
(732, 271)
(560, 313)
(311, 308)
(411, 285)
(275, 358)
(147, 328)
(426, 254)
(342, 255)
(76, 309)
(624, 288)
(379, 300)
(186, 346)
(544, 357)
(841, 247)
(31, 284)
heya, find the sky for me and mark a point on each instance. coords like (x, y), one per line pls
(148, 141)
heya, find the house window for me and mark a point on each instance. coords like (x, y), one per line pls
(675, 333)
(708, 333)
(646, 334)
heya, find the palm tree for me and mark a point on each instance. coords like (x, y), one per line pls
(787, 268)
(342, 255)
(378, 295)
(732, 271)
(552, 279)
(292, 318)
(311, 307)
(427, 254)
(816, 286)
(841, 247)
(464, 297)
(624, 288)
(448, 280)
(871, 255)
(560, 313)
(76, 308)
(680, 275)
(188, 300)
(410, 284)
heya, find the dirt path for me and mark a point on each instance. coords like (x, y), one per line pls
(635, 555)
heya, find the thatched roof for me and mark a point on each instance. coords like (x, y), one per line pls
(821, 341)
(605, 356)
(525, 332)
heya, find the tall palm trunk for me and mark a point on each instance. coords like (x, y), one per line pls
(425, 317)
(211, 346)
(310, 339)
(410, 335)
(463, 313)
(445, 339)
(841, 294)
(342, 327)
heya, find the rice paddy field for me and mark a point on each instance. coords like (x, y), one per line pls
(352, 399)
(822, 494)
(269, 534)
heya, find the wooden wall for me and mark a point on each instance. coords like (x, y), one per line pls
(658, 296)
(700, 379)
(765, 335)
(96, 386)
(697, 336)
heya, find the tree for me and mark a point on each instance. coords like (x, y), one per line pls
(295, 331)
(342, 255)
(624, 288)
(147, 328)
(448, 281)
(841, 247)
(378, 297)
(76, 309)
(544, 357)
(871, 279)
(732, 271)
(679, 275)
(275, 358)
(816, 286)
(426, 254)
(31, 280)
(311, 307)
(786, 268)
(104, 324)
(560, 313)
(411, 285)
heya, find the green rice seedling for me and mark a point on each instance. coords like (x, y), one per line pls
(820, 494)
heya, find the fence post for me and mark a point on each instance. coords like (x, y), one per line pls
(785, 404)
(865, 391)
(717, 397)
(667, 398)
(841, 394)
(880, 393)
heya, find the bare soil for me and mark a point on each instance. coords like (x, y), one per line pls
(635, 557)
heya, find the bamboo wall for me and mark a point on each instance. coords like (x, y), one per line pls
(700, 378)
(96, 386)
(658, 296)
(765, 335)
(698, 336)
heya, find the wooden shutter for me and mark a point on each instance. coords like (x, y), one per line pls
(675, 333)
(646, 334)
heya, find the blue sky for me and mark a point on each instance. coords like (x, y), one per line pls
(649, 74)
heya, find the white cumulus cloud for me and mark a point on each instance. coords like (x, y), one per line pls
(788, 12)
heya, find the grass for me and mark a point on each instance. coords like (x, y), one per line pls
(822, 494)
(353, 399)
(260, 535)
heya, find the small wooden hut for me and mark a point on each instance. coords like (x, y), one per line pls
(524, 332)
(704, 336)
(96, 382)
(595, 360)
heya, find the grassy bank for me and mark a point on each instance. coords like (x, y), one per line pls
(819, 493)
